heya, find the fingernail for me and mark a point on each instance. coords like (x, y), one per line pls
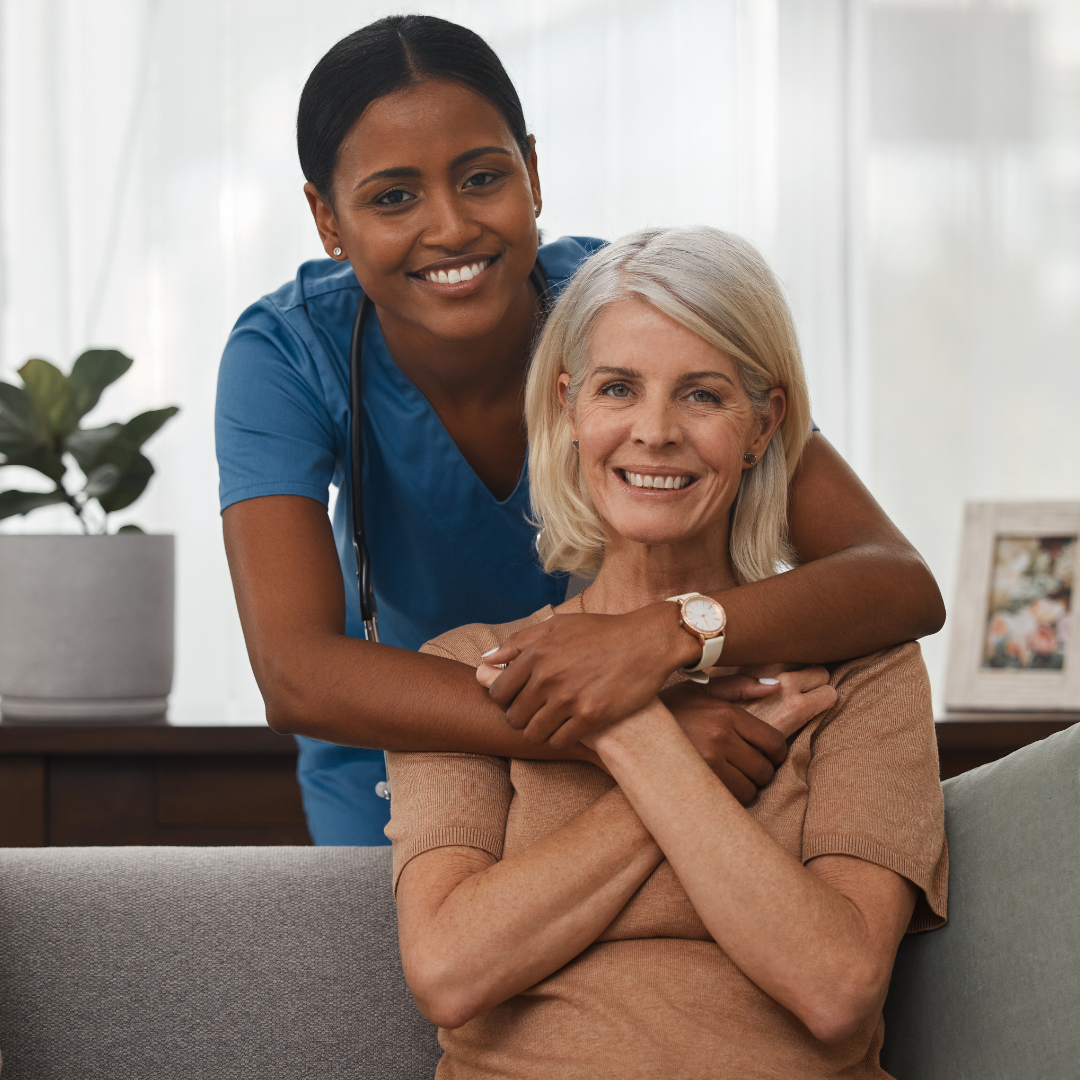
(766, 682)
(490, 651)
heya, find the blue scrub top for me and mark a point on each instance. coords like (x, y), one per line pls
(444, 551)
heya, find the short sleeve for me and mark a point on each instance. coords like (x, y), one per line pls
(874, 791)
(273, 431)
(447, 800)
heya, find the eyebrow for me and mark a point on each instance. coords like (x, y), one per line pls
(619, 372)
(412, 170)
(692, 376)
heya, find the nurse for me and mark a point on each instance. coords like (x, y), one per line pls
(423, 183)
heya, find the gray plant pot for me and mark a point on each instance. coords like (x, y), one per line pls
(86, 627)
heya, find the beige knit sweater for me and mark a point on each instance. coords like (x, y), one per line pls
(655, 996)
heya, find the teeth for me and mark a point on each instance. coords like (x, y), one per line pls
(458, 274)
(669, 483)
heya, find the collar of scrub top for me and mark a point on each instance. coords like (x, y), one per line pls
(368, 616)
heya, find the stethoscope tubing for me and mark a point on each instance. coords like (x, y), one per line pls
(365, 588)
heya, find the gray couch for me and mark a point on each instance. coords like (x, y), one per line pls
(282, 962)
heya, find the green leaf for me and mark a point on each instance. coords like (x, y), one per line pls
(101, 481)
(85, 445)
(140, 428)
(22, 502)
(91, 373)
(40, 457)
(20, 425)
(132, 483)
(130, 529)
(47, 386)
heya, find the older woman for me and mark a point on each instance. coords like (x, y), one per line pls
(563, 919)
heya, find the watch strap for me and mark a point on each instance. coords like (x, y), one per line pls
(711, 648)
(710, 654)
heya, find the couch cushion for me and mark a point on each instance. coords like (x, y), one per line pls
(204, 962)
(995, 993)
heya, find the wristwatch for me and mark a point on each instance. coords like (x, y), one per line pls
(705, 619)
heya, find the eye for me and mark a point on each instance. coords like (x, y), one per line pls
(394, 197)
(481, 179)
(616, 390)
(703, 397)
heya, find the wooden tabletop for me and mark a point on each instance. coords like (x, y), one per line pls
(960, 730)
(142, 738)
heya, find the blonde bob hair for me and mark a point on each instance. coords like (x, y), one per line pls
(718, 286)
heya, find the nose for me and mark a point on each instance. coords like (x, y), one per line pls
(449, 223)
(656, 424)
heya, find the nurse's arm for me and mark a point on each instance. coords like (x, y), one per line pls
(859, 587)
(315, 681)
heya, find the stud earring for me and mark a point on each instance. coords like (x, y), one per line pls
(537, 210)
(575, 445)
(337, 253)
(750, 459)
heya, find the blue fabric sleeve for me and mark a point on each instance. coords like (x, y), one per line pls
(273, 432)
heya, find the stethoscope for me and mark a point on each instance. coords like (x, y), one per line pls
(368, 614)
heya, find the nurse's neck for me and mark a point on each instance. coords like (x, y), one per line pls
(474, 381)
(473, 357)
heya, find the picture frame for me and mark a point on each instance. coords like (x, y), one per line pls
(1011, 647)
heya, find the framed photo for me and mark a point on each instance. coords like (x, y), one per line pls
(1012, 646)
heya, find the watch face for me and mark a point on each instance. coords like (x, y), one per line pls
(704, 615)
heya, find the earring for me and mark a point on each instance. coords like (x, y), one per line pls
(575, 445)
(536, 209)
(750, 459)
(337, 253)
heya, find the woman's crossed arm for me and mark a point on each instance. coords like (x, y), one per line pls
(819, 939)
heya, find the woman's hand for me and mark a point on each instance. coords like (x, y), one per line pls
(737, 723)
(800, 696)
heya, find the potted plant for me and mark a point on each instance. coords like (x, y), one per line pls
(86, 621)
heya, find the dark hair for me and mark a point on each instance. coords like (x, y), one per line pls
(388, 55)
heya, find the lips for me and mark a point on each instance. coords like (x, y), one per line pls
(655, 482)
(454, 271)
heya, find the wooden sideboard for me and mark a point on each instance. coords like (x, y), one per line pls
(164, 784)
(78, 785)
(969, 739)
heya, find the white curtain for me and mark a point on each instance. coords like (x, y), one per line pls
(970, 231)
(149, 191)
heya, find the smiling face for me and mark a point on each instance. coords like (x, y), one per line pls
(663, 424)
(435, 207)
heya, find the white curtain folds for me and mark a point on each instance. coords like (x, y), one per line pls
(149, 191)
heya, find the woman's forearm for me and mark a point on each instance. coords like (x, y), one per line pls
(803, 942)
(504, 929)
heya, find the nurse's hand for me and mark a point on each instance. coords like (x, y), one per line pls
(575, 674)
